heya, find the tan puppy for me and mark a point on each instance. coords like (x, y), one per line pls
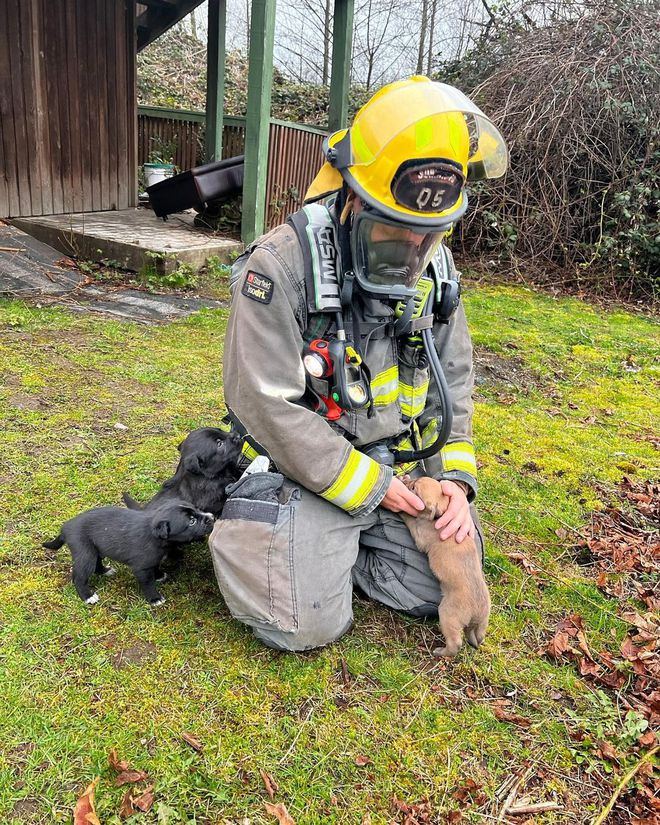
(465, 604)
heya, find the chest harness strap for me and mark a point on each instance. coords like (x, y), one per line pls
(330, 292)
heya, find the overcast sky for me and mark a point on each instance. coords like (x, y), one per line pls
(392, 35)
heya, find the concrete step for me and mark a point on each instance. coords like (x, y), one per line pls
(33, 271)
(131, 238)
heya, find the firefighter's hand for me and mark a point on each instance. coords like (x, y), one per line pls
(457, 519)
(399, 499)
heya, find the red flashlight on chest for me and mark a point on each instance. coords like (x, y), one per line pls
(318, 364)
(316, 359)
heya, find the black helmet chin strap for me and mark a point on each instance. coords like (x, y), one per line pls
(344, 231)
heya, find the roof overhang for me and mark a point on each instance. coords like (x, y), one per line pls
(155, 17)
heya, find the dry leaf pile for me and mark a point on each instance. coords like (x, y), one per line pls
(624, 541)
(634, 676)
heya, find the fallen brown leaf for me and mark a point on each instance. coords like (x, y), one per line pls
(129, 777)
(522, 560)
(115, 763)
(607, 751)
(126, 774)
(145, 801)
(191, 740)
(126, 808)
(361, 761)
(345, 673)
(514, 718)
(648, 738)
(468, 791)
(505, 716)
(280, 811)
(85, 811)
(416, 813)
(269, 782)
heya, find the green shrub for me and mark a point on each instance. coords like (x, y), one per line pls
(578, 103)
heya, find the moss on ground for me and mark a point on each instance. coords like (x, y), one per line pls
(91, 407)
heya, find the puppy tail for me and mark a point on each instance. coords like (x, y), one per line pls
(130, 502)
(55, 544)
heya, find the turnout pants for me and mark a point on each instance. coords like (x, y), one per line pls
(286, 562)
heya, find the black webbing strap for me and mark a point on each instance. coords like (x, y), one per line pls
(299, 222)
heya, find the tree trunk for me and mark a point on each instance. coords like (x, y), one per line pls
(429, 62)
(422, 37)
(327, 38)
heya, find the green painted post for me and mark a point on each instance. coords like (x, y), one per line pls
(257, 121)
(215, 83)
(342, 39)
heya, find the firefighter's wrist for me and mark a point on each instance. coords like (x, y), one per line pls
(464, 486)
(465, 481)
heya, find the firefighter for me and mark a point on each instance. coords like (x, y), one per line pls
(347, 363)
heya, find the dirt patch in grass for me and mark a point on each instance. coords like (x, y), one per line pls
(134, 654)
(27, 810)
(23, 401)
(491, 368)
(18, 756)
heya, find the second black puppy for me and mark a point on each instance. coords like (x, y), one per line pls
(137, 538)
(208, 463)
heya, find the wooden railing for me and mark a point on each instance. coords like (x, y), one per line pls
(294, 154)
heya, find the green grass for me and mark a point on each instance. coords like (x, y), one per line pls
(77, 682)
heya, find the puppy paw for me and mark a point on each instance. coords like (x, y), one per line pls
(109, 571)
(92, 599)
(446, 652)
(162, 576)
(157, 602)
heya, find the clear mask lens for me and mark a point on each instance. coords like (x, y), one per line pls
(389, 259)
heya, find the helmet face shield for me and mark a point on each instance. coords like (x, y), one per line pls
(389, 258)
(414, 124)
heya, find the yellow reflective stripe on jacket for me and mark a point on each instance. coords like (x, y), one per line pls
(412, 399)
(405, 443)
(459, 455)
(429, 433)
(249, 452)
(355, 482)
(385, 387)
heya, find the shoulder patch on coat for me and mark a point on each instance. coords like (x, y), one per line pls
(258, 287)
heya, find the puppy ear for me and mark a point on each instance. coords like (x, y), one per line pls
(162, 529)
(191, 464)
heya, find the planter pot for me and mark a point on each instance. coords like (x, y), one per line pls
(156, 172)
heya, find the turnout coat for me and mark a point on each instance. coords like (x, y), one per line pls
(272, 316)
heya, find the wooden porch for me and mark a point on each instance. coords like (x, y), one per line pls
(69, 121)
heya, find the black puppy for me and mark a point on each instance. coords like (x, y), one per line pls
(208, 463)
(136, 538)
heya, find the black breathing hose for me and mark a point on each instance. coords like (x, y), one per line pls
(402, 456)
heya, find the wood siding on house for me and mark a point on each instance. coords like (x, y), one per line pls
(68, 136)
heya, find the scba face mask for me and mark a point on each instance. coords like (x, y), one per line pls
(388, 257)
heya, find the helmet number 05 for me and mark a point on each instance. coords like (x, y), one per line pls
(425, 196)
